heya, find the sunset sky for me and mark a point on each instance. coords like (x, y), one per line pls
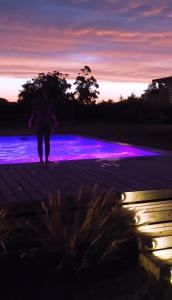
(126, 43)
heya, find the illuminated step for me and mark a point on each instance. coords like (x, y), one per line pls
(156, 243)
(149, 217)
(153, 219)
(151, 195)
(154, 230)
(164, 255)
(156, 206)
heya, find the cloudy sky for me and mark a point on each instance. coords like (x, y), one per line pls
(126, 43)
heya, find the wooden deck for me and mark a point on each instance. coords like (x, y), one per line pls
(28, 183)
(36, 182)
(153, 219)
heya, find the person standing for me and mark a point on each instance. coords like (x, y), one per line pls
(44, 119)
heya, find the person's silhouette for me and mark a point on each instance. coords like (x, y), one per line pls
(43, 118)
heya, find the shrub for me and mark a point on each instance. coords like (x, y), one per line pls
(86, 231)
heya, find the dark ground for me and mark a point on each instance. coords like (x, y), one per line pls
(23, 281)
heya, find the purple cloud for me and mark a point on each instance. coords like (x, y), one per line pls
(121, 40)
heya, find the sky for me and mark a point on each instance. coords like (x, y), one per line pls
(126, 43)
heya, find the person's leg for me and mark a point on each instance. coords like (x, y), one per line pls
(47, 144)
(40, 142)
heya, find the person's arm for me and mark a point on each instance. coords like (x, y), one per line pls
(54, 118)
(30, 121)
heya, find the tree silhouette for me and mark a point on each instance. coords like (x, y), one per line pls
(3, 101)
(86, 91)
(132, 98)
(151, 93)
(53, 84)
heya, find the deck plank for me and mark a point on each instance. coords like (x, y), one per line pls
(5, 192)
(146, 185)
(22, 182)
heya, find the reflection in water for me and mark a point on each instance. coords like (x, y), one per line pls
(70, 147)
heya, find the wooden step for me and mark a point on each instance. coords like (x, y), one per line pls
(156, 266)
(146, 196)
(158, 205)
(158, 229)
(156, 243)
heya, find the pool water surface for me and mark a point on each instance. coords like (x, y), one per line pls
(23, 149)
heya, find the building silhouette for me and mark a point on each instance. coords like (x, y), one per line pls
(164, 86)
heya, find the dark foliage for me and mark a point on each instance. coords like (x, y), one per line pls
(86, 87)
(80, 106)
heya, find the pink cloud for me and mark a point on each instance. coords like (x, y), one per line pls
(114, 54)
(154, 11)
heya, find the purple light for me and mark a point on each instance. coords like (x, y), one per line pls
(16, 149)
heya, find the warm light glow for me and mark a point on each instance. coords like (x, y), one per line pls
(151, 244)
(131, 197)
(145, 228)
(123, 196)
(164, 254)
(171, 276)
(143, 218)
(137, 219)
(128, 197)
(154, 244)
(156, 229)
(162, 242)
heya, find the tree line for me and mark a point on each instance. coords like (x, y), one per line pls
(81, 104)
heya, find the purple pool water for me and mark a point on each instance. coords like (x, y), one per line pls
(22, 149)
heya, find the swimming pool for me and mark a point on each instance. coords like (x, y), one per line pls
(22, 149)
